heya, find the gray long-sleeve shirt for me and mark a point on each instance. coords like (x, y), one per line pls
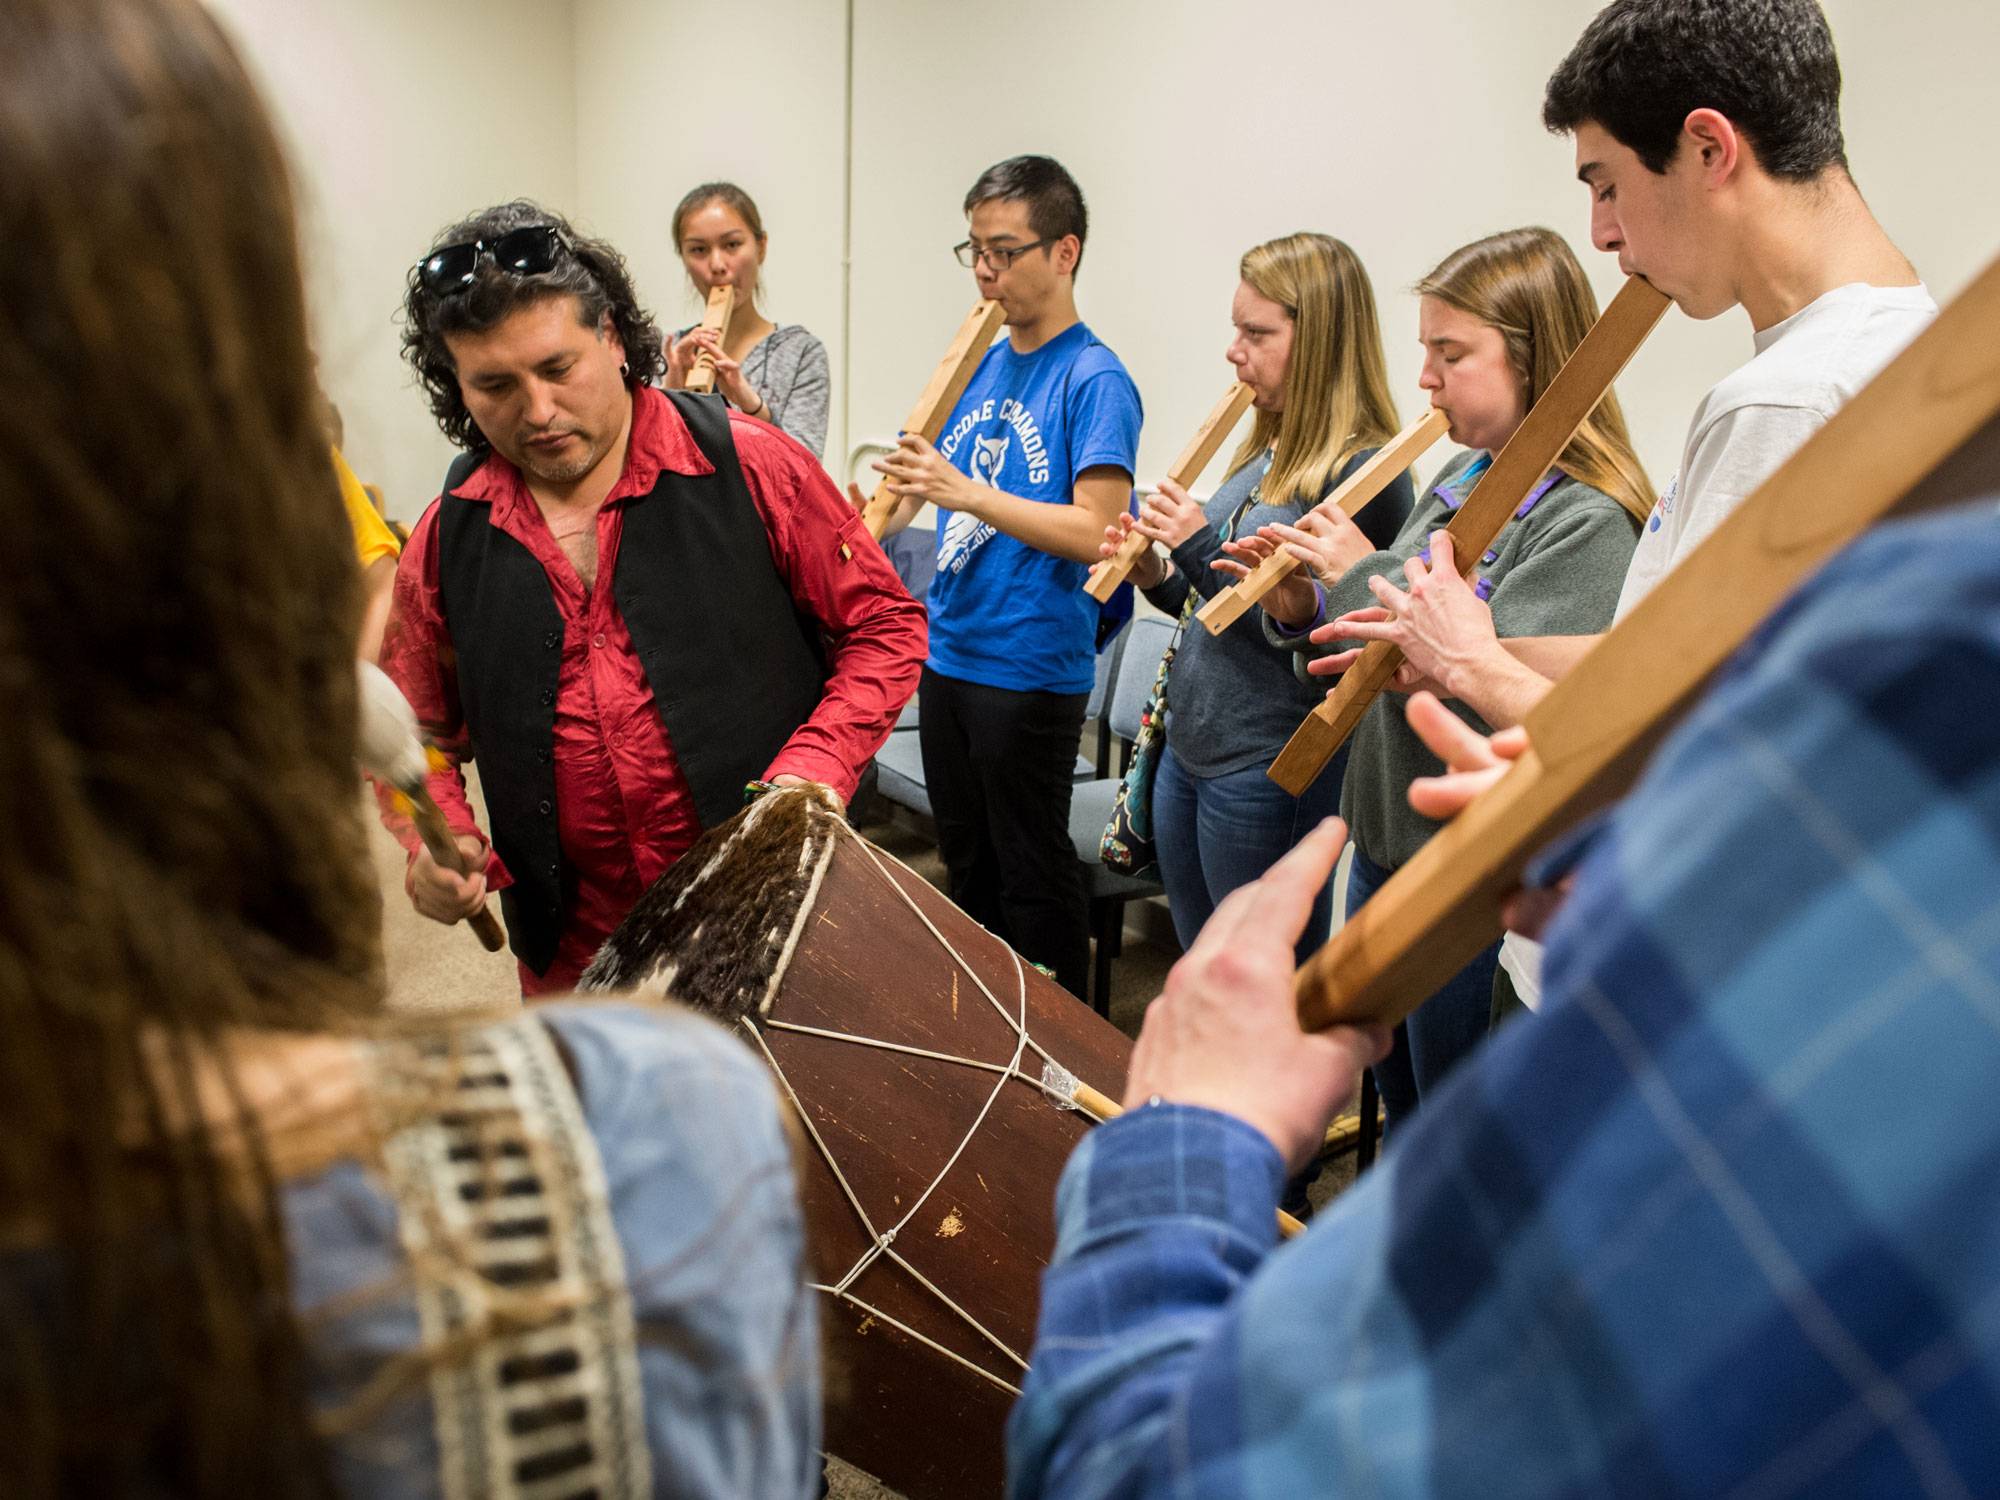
(1232, 699)
(788, 368)
(1556, 571)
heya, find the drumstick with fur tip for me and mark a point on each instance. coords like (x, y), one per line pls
(1101, 1107)
(393, 748)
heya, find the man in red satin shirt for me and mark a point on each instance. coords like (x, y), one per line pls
(625, 605)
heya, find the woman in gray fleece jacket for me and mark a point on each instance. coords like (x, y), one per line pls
(774, 371)
(1308, 345)
(1497, 319)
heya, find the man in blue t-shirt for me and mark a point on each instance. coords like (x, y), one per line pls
(1035, 461)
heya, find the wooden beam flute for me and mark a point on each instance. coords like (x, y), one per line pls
(1536, 444)
(1106, 575)
(948, 382)
(1363, 485)
(721, 303)
(1924, 434)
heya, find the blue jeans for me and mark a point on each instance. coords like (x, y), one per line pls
(1441, 1031)
(1216, 833)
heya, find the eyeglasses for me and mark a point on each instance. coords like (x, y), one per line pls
(999, 257)
(519, 252)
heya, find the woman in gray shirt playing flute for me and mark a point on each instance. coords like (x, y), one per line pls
(776, 371)
(1497, 318)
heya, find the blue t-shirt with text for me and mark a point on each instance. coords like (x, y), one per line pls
(1003, 613)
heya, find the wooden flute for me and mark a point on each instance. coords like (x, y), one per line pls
(947, 383)
(1581, 383)
(1363, 485)
(1105, 576)
(721, 304)
(1924, 434)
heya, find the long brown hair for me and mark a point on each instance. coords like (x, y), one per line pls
(181, 849)
(1337, 399)
(1528, 285)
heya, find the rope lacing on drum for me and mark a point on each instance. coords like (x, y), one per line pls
(883, 1240)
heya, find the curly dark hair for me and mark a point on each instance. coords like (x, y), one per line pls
(1643, 66)
(589, 270)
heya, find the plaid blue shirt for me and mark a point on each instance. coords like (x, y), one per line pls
(1723, 1220)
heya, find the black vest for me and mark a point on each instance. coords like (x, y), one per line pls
(734, 665)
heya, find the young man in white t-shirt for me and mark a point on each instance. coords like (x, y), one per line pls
(1708, 133)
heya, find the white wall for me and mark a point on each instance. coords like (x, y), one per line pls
(1923, 136)
(653, 119)
(399, 118)
(1196, 131)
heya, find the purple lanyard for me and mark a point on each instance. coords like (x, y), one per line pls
(1454, 497)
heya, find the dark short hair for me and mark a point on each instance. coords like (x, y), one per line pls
(589, 270)
(1643, 66)
(1055, 202)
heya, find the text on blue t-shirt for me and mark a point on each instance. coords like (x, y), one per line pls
(1003, 613)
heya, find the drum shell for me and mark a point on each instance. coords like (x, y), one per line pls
(866, 965)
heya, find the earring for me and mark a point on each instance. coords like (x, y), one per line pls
(624, 369)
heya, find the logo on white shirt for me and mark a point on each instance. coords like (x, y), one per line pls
(1664, 506)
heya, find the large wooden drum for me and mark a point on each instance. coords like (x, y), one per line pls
(929, 1065)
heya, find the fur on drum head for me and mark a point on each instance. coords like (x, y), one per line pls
(717, 930)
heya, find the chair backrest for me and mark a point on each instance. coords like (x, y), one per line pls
(1108, 657)
(912, 553)
(1146, 641)
(1100, 685)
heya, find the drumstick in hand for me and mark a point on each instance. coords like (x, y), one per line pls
(391, 747)
(1064, 1084)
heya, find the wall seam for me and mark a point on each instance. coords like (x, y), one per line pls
(847, 242)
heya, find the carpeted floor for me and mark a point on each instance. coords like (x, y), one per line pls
(442, 970)
(432, 969)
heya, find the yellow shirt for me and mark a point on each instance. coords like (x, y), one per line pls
(372, 536)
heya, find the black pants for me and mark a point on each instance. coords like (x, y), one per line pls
(1507, 1005)
(998, 767)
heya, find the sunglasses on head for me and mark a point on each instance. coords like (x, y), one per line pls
(520, 252)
